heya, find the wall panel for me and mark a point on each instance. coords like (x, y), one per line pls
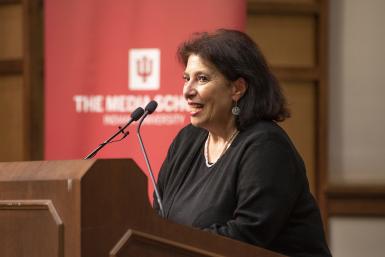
(11, 116)
(301, 97)
(11, 31)
(285, 40)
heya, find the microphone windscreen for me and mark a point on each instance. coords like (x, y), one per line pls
(135, 115)
(151, 106)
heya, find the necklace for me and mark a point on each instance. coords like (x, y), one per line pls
(227, 145)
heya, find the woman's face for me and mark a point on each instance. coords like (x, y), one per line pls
(208, 94)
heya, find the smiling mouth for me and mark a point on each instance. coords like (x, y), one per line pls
(195, 108)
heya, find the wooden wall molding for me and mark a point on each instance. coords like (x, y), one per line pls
(282, 8)
(33, 71)
(11, 67)
(10, 1)
(322, 60)
(296, 74)
(356, 200)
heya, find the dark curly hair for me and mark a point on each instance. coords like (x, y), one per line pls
(236, 56)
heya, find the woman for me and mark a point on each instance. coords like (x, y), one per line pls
(233, 171)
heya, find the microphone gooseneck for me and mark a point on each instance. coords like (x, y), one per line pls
(135, 115)
(150, 108)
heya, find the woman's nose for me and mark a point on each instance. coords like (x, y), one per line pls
(189, 89)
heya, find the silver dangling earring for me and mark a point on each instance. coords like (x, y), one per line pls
(236, 110)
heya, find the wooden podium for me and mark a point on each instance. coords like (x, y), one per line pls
(94, 208)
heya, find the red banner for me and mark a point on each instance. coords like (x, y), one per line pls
(105, 58)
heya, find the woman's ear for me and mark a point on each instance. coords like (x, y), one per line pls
(239, 88)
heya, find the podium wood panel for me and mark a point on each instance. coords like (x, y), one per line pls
(136, 243)
(33, 229)
(104, 211)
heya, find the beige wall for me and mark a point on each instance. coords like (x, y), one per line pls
(356, 117)
(357, 237)
(357, 91)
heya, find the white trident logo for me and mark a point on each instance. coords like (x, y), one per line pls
(144, 69)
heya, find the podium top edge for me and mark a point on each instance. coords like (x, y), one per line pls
(49, 169)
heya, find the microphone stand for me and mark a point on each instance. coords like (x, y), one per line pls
(134, 117)
(94, 152)
(150, 108)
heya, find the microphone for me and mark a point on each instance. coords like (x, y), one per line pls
(150, 108)
(135, 115)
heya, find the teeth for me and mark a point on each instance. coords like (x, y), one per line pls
(194, 107)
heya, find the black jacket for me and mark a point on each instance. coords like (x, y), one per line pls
(257, 192)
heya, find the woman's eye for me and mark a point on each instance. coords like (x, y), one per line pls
(203, 78)
(185, 78)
